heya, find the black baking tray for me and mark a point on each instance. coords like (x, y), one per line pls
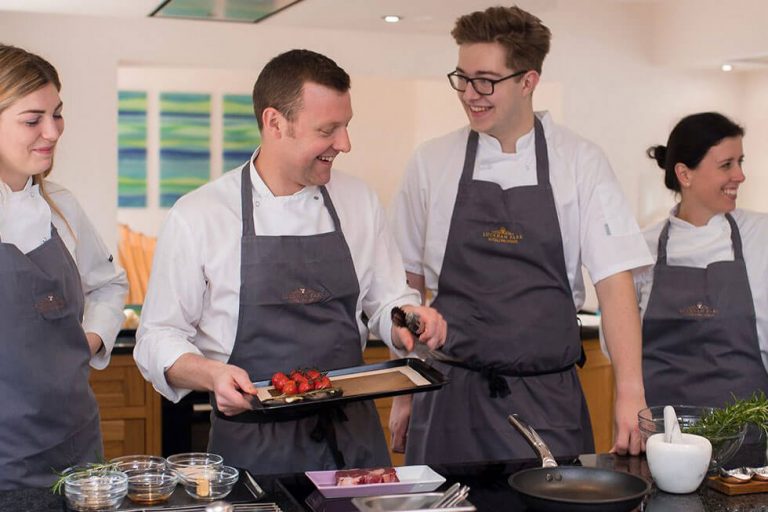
(261, 412)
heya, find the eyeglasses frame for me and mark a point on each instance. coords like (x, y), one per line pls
(493, 82)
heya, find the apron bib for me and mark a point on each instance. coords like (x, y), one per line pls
(298, 296)
(49, 418)
(504, 291)
(700, 342)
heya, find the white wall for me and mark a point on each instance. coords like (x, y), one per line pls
(602, 78)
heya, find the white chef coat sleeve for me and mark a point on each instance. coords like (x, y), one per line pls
(408, 215)
(388, 287)
(610, 238)
(104, 283)
(173, 304)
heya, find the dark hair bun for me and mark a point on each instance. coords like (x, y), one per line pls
(658, 153)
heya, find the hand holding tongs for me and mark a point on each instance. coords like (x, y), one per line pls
(412, 322)
(452, 497)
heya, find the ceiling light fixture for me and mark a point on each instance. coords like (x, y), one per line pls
(726, 67)
(391, 18)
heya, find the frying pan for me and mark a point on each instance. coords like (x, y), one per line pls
(553, 488)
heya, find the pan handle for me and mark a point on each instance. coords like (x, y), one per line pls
(535, 440)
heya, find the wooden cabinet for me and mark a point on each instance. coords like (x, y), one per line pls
(129, 408)
(596, 379)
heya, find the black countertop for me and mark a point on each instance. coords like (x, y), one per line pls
(489, 491)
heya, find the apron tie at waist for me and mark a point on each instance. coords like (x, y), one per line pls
(497, 385)
(325, 430)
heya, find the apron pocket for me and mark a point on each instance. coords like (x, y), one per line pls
(51, 305)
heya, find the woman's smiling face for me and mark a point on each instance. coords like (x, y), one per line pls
(29, 131)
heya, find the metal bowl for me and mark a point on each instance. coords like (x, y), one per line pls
(408, 503)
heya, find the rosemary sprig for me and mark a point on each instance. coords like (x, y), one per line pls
(730, 420)
(91, 469)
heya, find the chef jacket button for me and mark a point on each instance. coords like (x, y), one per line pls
(258, 204)
(316, 198)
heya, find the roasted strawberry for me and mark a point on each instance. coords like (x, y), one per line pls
(278, 380)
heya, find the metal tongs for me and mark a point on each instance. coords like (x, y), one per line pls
(413, 323)
(452, 497)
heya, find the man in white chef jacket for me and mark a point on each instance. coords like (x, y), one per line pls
(270, 267)
(494, 221)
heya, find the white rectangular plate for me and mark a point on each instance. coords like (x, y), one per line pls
(412, 479)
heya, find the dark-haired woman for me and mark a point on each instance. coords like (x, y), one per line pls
(705, 302)
(61, 296)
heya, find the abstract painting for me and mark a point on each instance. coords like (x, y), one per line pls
(185, 140)
(241, 133)
(132, 149)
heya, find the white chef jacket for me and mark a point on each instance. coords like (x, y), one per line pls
(694, 246)
(192, 302)
(25, 221)
(596, 223)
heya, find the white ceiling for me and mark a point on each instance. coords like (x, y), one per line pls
(418, 16)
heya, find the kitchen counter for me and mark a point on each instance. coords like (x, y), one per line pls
(488, 481)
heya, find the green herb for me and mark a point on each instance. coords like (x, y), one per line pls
(92, 469)
(730, 420)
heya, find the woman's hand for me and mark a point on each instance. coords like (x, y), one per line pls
(95, 343)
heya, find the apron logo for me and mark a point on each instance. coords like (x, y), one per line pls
(304, 296)
(502, 236)
(49, 302)
(699, 310)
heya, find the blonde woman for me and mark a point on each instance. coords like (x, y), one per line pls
(61, 295)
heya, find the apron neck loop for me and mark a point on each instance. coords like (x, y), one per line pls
(542, 158)
(738, 253)
(661, 257)
(330, 207)
(246, 195)
(469, 157)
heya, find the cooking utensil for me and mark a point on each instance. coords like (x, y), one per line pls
(554, 488)
(407, 503)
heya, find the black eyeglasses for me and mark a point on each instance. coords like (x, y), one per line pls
(484, 86)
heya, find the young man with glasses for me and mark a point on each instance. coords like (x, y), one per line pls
(494, 222)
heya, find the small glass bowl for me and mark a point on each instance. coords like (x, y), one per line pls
(208, 482)
(138, 463)
(186, 462)
(95, 489)
(151, 486)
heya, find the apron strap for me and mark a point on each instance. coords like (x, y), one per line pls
(661, 252)
(469, 158)
(331, 208)
(542, 158)
(738, 253)
(246, 196)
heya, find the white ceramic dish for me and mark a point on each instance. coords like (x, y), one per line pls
(412, 479)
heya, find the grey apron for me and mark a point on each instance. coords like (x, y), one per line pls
(298, 296)
(504, 291)
(49, 418)
(700, 342)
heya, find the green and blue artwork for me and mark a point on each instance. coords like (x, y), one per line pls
(132, 149)
(185, 139)
(241, 133)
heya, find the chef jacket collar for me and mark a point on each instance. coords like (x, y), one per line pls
(717, 221)
(261, 190)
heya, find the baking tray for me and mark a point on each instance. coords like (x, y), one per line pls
(366, 382)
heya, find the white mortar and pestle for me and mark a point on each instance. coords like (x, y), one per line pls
(678, 461)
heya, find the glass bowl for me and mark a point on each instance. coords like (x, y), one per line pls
(95, 489)
(138, 463)
(183, 463)
(651, 421)
(209, 482)
(151, 486)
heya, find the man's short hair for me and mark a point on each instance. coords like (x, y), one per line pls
(281, 81)
(522, 35)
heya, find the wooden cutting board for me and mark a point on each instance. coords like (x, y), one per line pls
(753, 486)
